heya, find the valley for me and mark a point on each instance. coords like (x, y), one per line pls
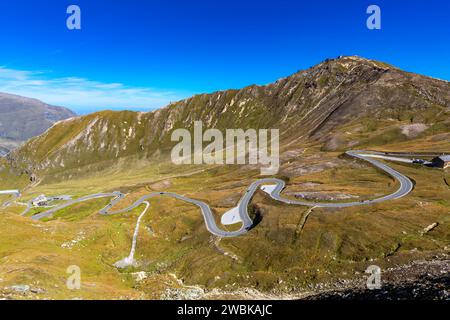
(295, 246)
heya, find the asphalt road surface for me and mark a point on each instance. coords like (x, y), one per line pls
(406, 186)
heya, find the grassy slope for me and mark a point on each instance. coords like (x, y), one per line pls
(332, 244)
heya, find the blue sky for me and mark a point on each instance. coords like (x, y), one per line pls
(142, 54)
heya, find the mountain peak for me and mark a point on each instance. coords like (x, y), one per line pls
(22, 118)
(310, 106)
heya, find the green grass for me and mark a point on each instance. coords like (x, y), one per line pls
(332, 244)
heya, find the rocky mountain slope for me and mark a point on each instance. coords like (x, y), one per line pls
(319, 104)
(23, 118)
(340, 104)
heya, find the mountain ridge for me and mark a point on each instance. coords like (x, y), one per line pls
(22, 118)
(339, 105)
(310, 105)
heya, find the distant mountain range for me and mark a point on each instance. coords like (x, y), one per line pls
(343, 103)
(23, 118)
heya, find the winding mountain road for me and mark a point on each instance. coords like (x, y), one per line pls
(276, 187)
(271, 186)
(14, 193)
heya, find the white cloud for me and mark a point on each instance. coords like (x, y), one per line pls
(83, 95)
